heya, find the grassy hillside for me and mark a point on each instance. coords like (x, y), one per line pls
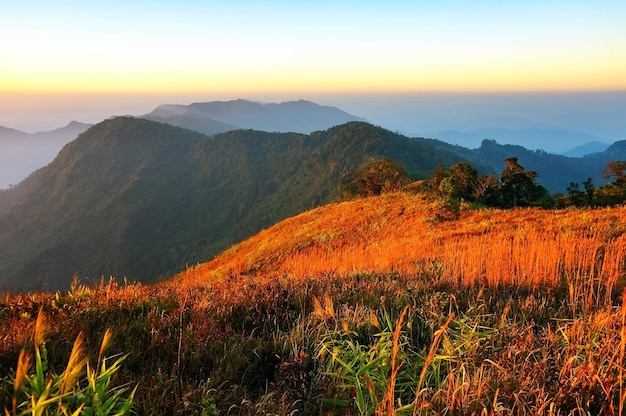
(379, 305)
(406, 234)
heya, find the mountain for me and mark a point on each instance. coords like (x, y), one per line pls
(136, 198)
(8, 133)
(587, 149)
(398, 233)
(556, 141)
(221, 116)
(23, 153)
(616, 151)
(556, 172)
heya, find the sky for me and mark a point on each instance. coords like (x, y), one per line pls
(62, 60)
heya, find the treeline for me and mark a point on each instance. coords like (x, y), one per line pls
(610, 194)
(514, 187)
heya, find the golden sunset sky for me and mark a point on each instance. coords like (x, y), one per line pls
(112, 50)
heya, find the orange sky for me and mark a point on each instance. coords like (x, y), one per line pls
(68, 60)
(280, 46)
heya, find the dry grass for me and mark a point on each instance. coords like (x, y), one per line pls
(514, 312)
(399, 233)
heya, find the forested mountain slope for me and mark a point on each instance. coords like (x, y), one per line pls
(556, 172)
(141, 199)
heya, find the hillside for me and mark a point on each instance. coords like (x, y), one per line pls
(382, 303)
(406, 234)
(136, 198)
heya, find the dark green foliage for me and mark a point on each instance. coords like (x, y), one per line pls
(519, 187)
(139, 199)
(610, 194)
(575, 195)
(556, 171)
(589, 191)
(374, 177)
(461, 182)
(515, 188)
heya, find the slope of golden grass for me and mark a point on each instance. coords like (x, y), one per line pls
(403, 233)
(516, 312)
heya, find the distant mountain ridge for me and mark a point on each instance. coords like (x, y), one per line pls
(22, 153)
(552, 140)
(136, 198)
(220, 116)
(587, 149)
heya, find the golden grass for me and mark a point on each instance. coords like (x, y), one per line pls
(547, 284)
(399, 233)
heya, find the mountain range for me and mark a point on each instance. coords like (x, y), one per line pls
(23, 153)
(143, 199)
(136, 198)
(552, 140)
(220, 116)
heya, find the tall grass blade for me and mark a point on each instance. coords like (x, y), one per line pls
(429, 359)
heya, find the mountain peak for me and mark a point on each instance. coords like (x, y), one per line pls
(74, 124)
(212, 117)
(137, 198)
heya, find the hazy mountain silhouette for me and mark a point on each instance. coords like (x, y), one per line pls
(221, 116)
(136, 198)
(23, 153)
(587, 149)
(556, 141)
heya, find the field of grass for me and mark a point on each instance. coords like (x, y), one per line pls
(384, 305)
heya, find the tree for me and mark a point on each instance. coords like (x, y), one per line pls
(439, 174)
(463, 180)
(611, 194)
(615, 169)
(519, 187)
(576, 196)
(487, 190)
(590, 190)
(375, 177)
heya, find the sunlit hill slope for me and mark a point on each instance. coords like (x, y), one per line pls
(495, 312)
(406, 234)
